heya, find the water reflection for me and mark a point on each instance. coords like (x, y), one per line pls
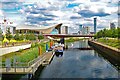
(59, 54)
(76, 63)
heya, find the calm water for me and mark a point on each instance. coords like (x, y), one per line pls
(77, 63)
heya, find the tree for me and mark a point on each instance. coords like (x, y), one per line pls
(30, 36)
(17, 37)
(40, 37)
(114, 33)
(21, 37)
(9, 36)
(1, 36)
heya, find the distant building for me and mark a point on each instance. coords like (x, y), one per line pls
(112, 25)
(37, 29)
(95, 25)
(80, 27)
(64, 30)
(85, 30)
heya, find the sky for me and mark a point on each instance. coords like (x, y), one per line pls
(71, 13)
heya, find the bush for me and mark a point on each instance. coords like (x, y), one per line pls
(32, 45)
(5, 40)
(40, 37)
(30, 37)
(17, 37)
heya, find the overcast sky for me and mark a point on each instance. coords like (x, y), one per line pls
(69, 12)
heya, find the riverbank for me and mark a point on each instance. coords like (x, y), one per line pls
(111, 52)
(73, 39)
(113, 42)
(27, 55)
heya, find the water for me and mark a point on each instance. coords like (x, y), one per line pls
(77, 63)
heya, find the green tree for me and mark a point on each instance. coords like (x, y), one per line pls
(17, 37)
(21, 37)
(30, 37)
(114, 33)
(9, 36)
(40, 37)
(1, 36)
(118, 32)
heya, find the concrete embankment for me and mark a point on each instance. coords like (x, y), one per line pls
(111, 53)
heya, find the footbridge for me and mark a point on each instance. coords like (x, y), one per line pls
(68, 35)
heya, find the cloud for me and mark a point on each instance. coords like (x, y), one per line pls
(75, 17)
(94, 0)
(1, 13)
(69, 12)
(88, 13)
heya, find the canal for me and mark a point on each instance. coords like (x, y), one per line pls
(77, 63)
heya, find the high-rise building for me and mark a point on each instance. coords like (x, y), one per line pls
(80, 27)
(64, 30)
(95, 24)
(112, 25)
(85, 30)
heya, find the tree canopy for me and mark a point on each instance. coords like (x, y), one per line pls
(113, 33)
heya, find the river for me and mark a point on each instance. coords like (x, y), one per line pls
(76, 63)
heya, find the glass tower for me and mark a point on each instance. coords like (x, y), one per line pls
(95, 24)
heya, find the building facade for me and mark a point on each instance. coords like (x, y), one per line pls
(95, 25)
(112, 25)
(64, 30)
(85, 30)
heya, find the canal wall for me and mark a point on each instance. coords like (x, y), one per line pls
(112, 53)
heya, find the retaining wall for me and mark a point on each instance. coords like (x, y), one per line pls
(112, 53)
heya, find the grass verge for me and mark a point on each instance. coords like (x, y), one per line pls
(110, 42)
(24, 56)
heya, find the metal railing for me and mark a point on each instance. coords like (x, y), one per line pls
(30, 67)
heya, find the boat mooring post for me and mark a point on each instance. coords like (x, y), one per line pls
(46, 47)
(40, 50)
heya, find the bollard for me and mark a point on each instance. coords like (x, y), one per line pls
(40, 50)
(50, 44)
(53, 42)
(46, 47)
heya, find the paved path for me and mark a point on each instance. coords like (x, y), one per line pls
(46, 58)
(7, 50)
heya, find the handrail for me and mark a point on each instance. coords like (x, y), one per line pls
(30, 68)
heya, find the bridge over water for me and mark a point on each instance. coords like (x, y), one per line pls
(68, 35)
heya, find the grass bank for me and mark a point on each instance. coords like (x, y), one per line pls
(24, 56)
(73, 39)
(114, 42)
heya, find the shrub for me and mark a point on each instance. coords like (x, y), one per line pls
(32, 45)
(40, 37)
(5, 40)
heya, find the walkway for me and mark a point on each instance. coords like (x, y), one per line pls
(7, 50)
(44, 59)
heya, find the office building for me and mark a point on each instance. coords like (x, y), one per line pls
(85, 30)
(112, 25)
(64, 30)
(95, 25)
